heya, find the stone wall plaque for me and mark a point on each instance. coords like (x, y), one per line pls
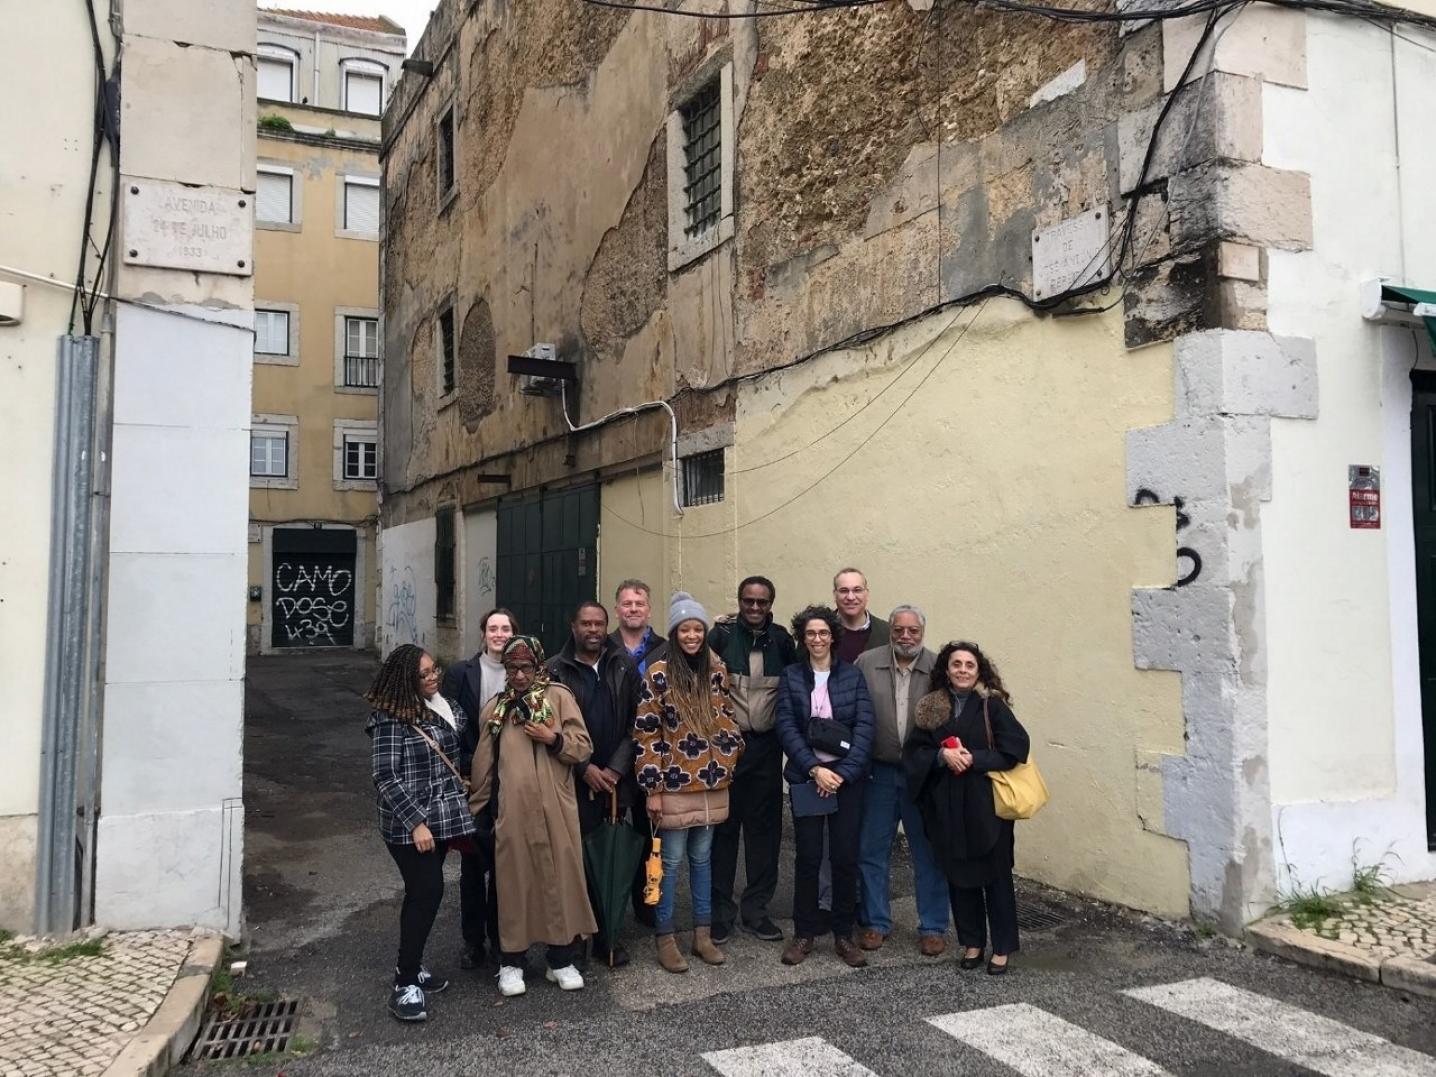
(176, 226)
(1071, 254)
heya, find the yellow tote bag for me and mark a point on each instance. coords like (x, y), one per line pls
(1018, 793)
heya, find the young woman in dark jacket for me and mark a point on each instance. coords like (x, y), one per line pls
(819, 696)
(422, 805)
(948, 756)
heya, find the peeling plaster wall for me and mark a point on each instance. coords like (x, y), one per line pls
(407, 597)
(1341, 614)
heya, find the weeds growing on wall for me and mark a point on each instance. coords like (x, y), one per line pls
(49, 955)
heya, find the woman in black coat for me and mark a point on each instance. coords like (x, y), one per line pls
(963, 730)
(826, 726)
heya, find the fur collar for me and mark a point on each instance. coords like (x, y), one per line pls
(935, 708)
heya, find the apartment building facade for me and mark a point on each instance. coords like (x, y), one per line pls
(323, 81)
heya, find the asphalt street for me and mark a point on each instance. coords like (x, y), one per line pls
(1094, 991)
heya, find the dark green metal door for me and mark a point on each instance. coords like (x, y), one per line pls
(1423, 482)
(547, 549)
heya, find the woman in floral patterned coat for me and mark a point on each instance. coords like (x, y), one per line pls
(688, 745)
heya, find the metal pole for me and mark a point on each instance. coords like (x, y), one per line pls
(67, 633)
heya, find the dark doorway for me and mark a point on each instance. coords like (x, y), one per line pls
(1423, 490)
(547, 549)
(313, 587)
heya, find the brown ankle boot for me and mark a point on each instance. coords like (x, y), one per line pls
(703, 946)
(669, 955)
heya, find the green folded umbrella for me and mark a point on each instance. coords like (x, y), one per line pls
(611, 855)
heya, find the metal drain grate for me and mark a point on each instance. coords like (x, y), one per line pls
(1032, 916)
(259, 1028)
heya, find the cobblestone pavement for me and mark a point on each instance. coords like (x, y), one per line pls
(70, 1016)
(1398, 923)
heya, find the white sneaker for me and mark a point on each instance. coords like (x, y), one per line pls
(568, 978)
(511, 981)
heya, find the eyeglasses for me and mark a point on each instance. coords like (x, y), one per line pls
(760, 602)
(850, 592)
(906, 630)
(425, 674)
(817, 633)
(521, 667)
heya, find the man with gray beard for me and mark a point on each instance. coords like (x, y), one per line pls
(897, 677)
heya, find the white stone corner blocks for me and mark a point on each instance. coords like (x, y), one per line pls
(1212, 463)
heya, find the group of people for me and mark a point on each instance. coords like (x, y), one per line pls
(512, 760)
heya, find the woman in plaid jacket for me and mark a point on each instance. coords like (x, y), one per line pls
(423, 806)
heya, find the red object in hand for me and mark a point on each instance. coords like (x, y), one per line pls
(952, 742)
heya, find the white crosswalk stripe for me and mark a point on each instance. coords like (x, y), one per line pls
(1036, 1043)
(809, 1057)
(1291, 1033)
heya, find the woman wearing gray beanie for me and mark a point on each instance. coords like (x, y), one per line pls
(688, 745)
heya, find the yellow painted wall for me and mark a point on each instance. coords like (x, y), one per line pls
(321, 272)
(994, 498)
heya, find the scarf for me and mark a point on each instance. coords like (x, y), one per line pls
(530, 705)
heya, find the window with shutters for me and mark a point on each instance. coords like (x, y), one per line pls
(359, 207)
(444, 564)
(274, 198)
(356, 454)
(701, 169)
(363, 90)
(361, 353)
(278, 67)
(273, 459)
(446, 351)
(271, 332)
(444, 156)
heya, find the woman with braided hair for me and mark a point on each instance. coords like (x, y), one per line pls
(415, 734)
(531, 737)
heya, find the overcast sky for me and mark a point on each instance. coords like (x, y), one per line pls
(412, 15)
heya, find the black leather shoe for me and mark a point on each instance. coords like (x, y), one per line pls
(721, 933)
(967, 964)
(764, 929)
(994, 969)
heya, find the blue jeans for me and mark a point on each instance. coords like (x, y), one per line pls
(697, 842)
(887, 802)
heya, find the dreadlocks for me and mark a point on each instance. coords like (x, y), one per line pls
(688, 686)
(395, 690)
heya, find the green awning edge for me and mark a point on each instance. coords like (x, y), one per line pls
(1392, 294)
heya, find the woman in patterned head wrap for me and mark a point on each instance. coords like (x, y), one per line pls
(533, 736)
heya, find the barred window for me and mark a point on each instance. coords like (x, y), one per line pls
(703, 159)
(361, 352)
(703, 478)
(446, 351)
(444, 563)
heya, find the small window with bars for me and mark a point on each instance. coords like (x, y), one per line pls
(444, 564)
(361, 353)
(703, 478)
(446, 351)
(445, 152)
(703, 160)
(361, 457)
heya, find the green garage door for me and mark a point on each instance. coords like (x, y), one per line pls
(547, 558)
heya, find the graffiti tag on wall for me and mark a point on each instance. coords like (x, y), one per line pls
(486, 580)
(1189, 561)
(313, 604)
(402, 614)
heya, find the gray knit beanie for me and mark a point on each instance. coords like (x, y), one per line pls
(684, 607)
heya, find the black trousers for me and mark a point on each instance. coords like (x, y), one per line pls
(755, 814)
(478, 902)
(974, 908)
(556, 957)
(423, 875)
(842, 829)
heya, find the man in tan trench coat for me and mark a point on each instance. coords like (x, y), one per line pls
(531, 737)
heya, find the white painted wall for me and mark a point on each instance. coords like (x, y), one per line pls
(1344, 705)
(478, 574)
(42, 199)
(406, 607)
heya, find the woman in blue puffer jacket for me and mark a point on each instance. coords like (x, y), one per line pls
(825, 722)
